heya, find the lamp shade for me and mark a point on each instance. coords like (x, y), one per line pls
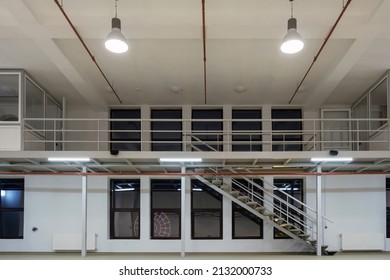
(292, 42)
(115, 41)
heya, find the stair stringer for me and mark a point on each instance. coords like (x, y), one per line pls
(254, 212)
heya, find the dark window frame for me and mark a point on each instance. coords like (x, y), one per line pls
(154, 210)
(290, 126)
(217, 139)
(237, 209)
(15, 184)
(164, 141)
(387, 208)
(238, 114)
(277, 233)
(195, 211)
(115, 143)
(114, 209)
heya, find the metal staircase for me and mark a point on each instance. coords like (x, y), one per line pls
(295, 220)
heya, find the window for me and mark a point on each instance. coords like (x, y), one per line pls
(166, 209)
(378, 105)
(360, 127)
(35, 102)
(287, 130)
(206, 212)
(11, 208)
(388, 207)
(53, 127)
(207, 134)
(291, 188)
(126, 134)
(245, 224)
(246, 133)
(9, 97)
(166, 134)
(125, 209)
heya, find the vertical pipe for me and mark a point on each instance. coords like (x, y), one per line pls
(319, 212)
(204, 50)
(84, 213)
(183, 211)
(63, 122)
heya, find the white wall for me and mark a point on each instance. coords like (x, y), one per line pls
(355, 204)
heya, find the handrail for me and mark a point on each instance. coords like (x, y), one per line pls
(313, 135)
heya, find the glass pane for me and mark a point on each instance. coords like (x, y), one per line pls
(11, 224)
(242, 130)
(129, 139)
(246, 226)
(286, 128)
(207, 224)
(11, 198)
(125, 193)
(166, 224)
(209, 132)
(166, 194)
(378, 105)
(34, 105)
(53, 127)
(9, 97)
(360, 111)
(204, 197)
(126, 225)
(336, 132)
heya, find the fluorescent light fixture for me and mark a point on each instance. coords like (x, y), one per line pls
(2, 193)
(180, 159)
(332, 159)
(69, 159)
(124, 190)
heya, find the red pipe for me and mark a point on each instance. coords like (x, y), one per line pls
(322, 47)
(86, 48)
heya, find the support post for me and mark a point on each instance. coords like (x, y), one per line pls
(319, 212)
(183, 211)
(84, 213)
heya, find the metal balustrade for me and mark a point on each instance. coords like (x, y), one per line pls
(97, 135)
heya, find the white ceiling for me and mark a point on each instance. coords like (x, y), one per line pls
(165, 38)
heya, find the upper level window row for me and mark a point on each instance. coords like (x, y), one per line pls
(208, 131)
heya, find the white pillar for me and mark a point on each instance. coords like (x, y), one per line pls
(84, 213)
(183, 211)
(319, 213)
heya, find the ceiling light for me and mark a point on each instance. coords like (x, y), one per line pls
(332, 159)
(69, 159)
(180, 159)
(2, 193)
(292, 42)
(115, 41)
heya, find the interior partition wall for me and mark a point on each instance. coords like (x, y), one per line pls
(22, 98)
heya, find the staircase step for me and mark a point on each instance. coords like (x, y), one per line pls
(252, 204)
(260, 209)
(313, 242)
(304, 236)
(226, 188)
(286, 226)
(269, 214)
(235, 193)
(278, 220)
(296, 231)
(243, 198)
(216, 182)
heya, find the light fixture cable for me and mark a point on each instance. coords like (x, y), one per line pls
(86, 48)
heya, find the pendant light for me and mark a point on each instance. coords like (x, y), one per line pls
(115, 41)
(292, 42)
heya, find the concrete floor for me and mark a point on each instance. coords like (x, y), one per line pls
(194, 256)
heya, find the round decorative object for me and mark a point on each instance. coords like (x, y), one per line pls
(162, 225)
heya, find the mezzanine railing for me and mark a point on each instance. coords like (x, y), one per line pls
(222, 134)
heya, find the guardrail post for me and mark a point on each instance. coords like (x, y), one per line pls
(319, 214)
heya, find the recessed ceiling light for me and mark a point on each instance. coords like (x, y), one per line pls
(176, 89)
(240, 89)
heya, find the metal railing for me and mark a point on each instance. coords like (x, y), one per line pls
(138, 135)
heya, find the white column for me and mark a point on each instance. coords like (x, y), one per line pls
(84, 213)
(319, 213)
(183, 211)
